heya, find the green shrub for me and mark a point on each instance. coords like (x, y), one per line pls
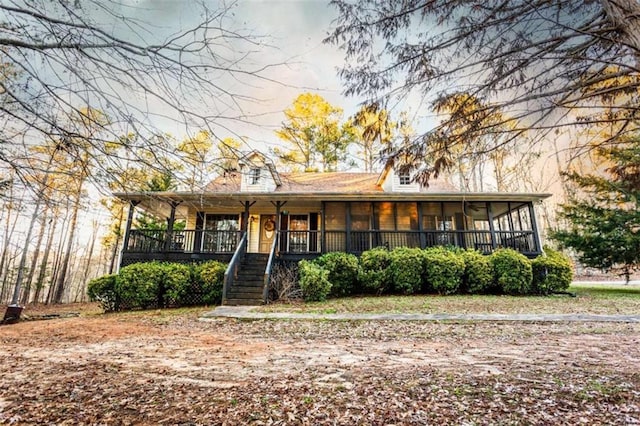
(512, 271)
(552, 271)
(343, 272)
(374, 274)
(478, 272)
(443, 270)
(138, 285)
(176, 284)
(102, 289)
(209, 280)
(314, 281)
(406, 269)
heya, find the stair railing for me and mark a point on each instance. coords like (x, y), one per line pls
(267, 269)
(231, 272)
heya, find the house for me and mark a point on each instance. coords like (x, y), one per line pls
(255, 216)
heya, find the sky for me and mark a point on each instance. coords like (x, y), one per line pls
(291, 33)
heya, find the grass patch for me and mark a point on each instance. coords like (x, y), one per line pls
(590, 299)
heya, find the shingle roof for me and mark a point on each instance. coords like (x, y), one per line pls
(313, 183)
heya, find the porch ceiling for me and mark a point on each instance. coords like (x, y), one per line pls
(159, 202)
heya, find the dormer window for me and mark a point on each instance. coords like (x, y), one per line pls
(405, 179)
(254, 176)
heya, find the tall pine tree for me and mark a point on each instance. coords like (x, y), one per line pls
(603, 223)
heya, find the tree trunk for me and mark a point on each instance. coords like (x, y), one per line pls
(4, 258)
(45, 260)
(34, 260)
(56, 261)
(25, 249)
(62, 276)
(87, 266)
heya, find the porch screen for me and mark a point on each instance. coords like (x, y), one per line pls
(361, 236)
(431, 215)
(335, 216)
(335, 222)
(407, 219)
(384, 217)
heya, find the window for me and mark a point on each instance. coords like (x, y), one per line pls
(405, 179)
(254, 176)
(220, 233)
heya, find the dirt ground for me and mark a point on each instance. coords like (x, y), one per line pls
(168, 367)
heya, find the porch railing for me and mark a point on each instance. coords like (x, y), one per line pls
(300, 241)
(359, 241)
(231, 273)
(267, 270)
(185, 241)
(292, 242)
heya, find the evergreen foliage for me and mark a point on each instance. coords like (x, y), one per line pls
(102, 290)
(209, 280)
(603, 225)
(406, 270)
(343, 272)
(159, 285)
(314, 281)
(444, 270)
(374, 273)
(552, 272)
(478, 272)
(512, 272)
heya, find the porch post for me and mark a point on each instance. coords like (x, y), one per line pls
(245, 216)
(323, 235)
(423, 240)
(510, 218)
(491, 228)
(282, 244)
(278, 205)
(170, 223)
(197, 238)
(534, 226)
(348, 230)
(127, 231)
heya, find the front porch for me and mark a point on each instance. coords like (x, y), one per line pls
(307, 230)
(291, 229)
(194, 245)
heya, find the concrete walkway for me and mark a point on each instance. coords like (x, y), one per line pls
(247, 312)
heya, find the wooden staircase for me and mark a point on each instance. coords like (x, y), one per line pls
(247, 286)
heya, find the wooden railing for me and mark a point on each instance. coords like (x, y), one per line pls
(267, 269)
(232, 268)
(185, 241)
(300, 242)
(359, 241)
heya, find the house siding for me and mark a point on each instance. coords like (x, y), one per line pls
(391, 183)
(254, 234)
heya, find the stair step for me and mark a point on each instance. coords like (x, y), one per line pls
(256, 290)
(248, 281)
(241, 289)
(244, 297)
(243, 302)
(251, 273)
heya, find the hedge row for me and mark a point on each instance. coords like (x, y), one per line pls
(158, 285)
(433, 270)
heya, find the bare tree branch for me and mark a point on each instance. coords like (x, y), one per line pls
(534, 61)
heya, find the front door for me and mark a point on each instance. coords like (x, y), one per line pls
(267, 232)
